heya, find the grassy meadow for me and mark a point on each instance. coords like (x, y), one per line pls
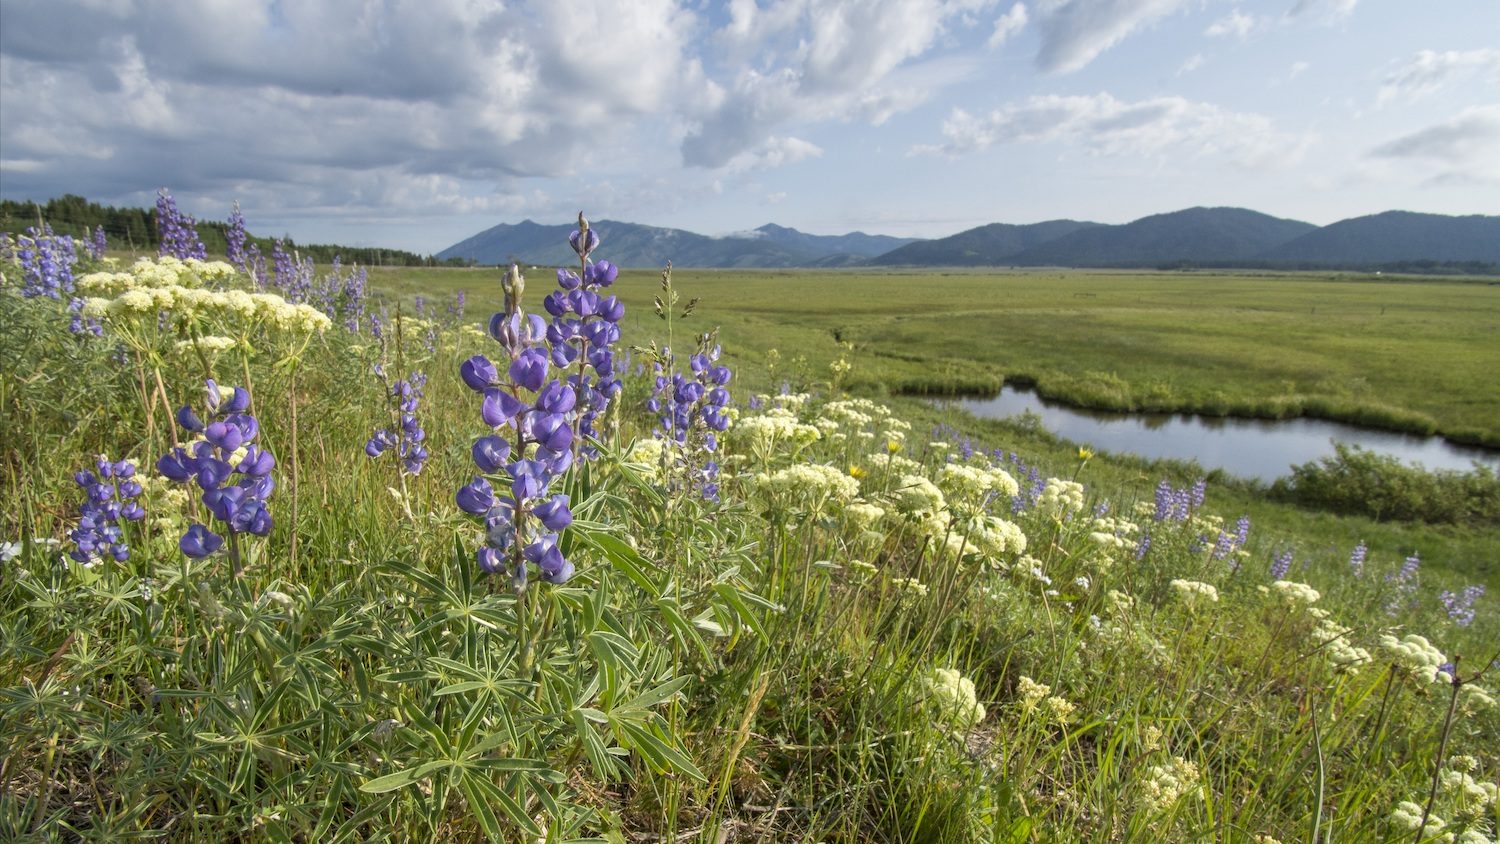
(1406, 354)
(846, 616)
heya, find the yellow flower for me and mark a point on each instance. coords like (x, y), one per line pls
(892, 446)
(1084, 453)
(856, 471)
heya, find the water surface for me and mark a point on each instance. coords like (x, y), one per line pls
(1264, 449)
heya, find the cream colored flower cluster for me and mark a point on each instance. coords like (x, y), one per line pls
(1039, 697)
(164, 271)
(213, 344)
(1474, 797)
(991, 536)
(774, 430)
(909, 587)
(952, 694)
(1194, 592)
(809, 483)
(973, 484)
(917, 496)
(1166, 784)
(1472, 698)
(1295, 595)
(166, 284)
(1415, 655)
(863, 515)
(1333, 639)
(645, 456)
(1407, 817)
(1060, 499)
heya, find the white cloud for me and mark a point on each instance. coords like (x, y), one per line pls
(774, 152)
(308, 95)
(834, 60)
(1326, 10)
(1296, 70)
(1007, 25)
(1075, 32)
(1103, 125)
(1192, 63)
(1464, 150)
(1430, 70)
(1237, 24)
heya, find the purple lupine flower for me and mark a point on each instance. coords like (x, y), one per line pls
(1460, 606)
(1357, 559)
(255, 266)
(177, 232)
(532, 408)
(234, 238)
(98, 244)
(691, 411)
(235, 484)
(583, 331)
(406, 441)
(1197, 493)
(109, 502)
(199, 542)
(1404, 583)
(46, 262)
(1281, 565)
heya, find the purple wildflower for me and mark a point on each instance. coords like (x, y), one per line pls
(529, 442)
(1357, 559)
(406, 440)
(234, 238)
(98, 244)
(1281, 565)
(177, 232)
(110, 501)
(233, 472)
(1460, 606)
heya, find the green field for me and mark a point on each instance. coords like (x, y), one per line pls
(1407, 354)
(868, 636)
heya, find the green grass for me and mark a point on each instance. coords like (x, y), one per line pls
(761, 669)
(1406, 354)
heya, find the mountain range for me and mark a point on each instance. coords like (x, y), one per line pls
(1213, 237)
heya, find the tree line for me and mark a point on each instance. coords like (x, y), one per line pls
(134, 229)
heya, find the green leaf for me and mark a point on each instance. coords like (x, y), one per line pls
(658, 695)
(391, 782)
(660, 755)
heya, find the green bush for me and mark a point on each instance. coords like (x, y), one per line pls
(1358, 481)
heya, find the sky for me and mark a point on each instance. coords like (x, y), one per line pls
(414, 124)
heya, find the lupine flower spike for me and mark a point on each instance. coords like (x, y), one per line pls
(233, 472)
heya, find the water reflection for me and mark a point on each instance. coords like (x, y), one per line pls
(1252, 448)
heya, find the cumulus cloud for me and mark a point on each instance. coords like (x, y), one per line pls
(1236, 23)
(773, 153)
(1103, 125)
(321, 96)
(1007, 25)
(1075, 32)
(829, 60)
(1430, 70)
(1464, 150)
(1325, 10)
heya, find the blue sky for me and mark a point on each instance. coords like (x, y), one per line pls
(416, 124)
